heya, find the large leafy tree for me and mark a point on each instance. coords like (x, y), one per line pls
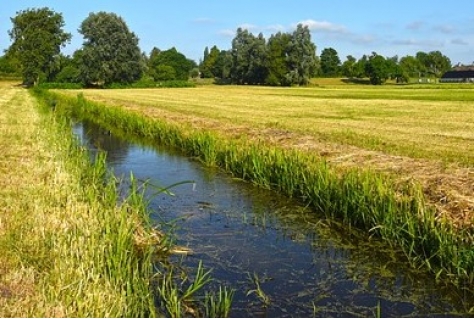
(286, 59)
(209, 61)
(330, 62)
(378, 69)
(277, 51)
(411, 66)
(302, 59)
(248, 58)
(162, 62)
(348, 68)
(438, 63)
(37, 36)
(360, 67)
(110, 52)
(223, 64)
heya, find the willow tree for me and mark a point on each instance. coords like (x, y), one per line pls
(301, 57)
(110, 53)
(37, 37)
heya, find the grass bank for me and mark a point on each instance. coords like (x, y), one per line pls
(386, 208)
(66, 248)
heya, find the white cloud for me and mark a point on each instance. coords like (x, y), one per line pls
(362, 39)
(421, 43)
(275, 28)
(248, 26)
(227, 33)
(415, 25)
(203, 20)
(323, 26)
(445, 28)
(459, 41)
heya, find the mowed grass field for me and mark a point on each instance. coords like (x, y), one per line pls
(421, 123)
(419, 132)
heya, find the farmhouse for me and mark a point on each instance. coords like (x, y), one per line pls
(459, 74)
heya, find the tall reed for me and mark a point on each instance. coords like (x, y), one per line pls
(397, 214)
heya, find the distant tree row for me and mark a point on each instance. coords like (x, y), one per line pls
(254, 61)
(110, 52)
(379, 69)
(285, 59)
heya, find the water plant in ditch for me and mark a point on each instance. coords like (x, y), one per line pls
(179, 294)
(262, 296)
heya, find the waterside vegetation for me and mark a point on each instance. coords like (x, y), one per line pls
(387, 206)
(70, 244)
(68, 247)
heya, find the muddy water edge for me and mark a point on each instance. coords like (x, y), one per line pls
(304, 264)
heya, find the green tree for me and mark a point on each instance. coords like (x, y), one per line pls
(9, 65)
(171, 58)
(110, 52)
(164, 72)
(302, 59)
(330, 62)
(69, 69)
(209, 61)
(411, 66)
(277, 51)
(348, 68)
(223, 64)
(378, 69)
(396, 72)
(360, 67)
(439, 63)
(248, 58)
(37, 36)
(433, 63)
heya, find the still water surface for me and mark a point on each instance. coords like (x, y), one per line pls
(307, 265)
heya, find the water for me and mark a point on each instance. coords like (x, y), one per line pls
(306, 264)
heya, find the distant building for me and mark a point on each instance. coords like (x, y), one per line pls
(460, 74)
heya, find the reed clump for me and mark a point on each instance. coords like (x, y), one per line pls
(384, 207)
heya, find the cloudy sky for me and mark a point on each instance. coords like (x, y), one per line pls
(401, 27)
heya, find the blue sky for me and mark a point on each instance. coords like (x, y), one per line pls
(401, 27)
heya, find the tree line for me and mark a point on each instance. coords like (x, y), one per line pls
(111, 54)
(287, 59)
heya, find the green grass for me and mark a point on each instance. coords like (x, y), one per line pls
(385, 207)
(66, 248)
(127, 256)
(429, 123)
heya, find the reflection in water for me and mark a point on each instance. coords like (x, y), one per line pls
(306, 264)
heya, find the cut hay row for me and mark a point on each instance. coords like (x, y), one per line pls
(388, 208)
